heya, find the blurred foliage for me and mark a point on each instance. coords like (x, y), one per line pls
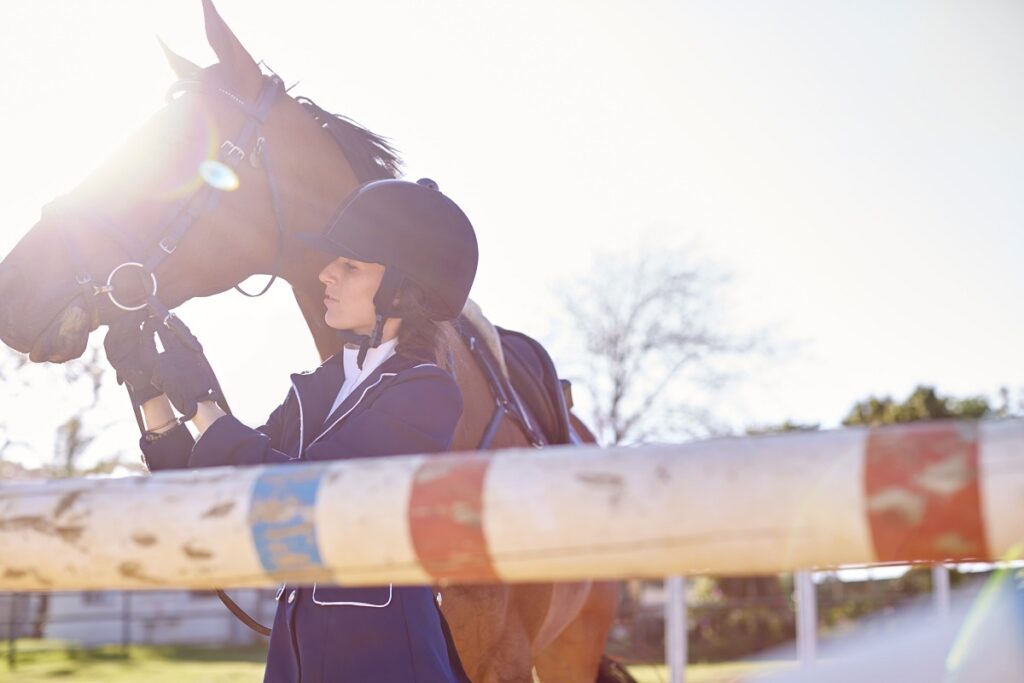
(736, 617)
(923, 404)
(77, 423)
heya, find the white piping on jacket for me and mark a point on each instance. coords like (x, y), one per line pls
(345, 603)
(302, 422)
(361, 397)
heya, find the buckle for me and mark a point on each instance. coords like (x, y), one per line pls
(109, 289)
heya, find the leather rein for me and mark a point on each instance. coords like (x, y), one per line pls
(181, 217)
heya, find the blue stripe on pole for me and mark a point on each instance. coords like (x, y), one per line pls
(283, 519)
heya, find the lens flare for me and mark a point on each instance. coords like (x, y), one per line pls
(218, 175)
(970, 634)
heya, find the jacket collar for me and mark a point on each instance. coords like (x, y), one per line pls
(315, 392)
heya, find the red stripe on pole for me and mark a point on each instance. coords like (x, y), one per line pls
(923, 500)
(446, 518)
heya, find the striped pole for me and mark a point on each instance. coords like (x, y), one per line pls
(941, 491)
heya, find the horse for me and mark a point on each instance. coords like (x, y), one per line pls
(147, 221)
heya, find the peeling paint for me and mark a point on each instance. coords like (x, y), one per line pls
(613, 483)
(432, 471)
(900, 502)
(954, 545)
(26, 523)
(196, 553)
(16, 573)
(600, 478)
(39, 524)
(133, 570)
(465, 514)
(220, 509)
(69, 534)
(144, 539)
(946, 477)
(272, 511)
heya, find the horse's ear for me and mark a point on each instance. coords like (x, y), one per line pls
(226, 46)
(181, 67)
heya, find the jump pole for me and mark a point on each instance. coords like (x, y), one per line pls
(928, 492)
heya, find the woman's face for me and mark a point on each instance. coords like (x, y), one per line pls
(349, 287)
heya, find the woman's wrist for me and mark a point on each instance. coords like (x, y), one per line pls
(207, 413)
(159, 415)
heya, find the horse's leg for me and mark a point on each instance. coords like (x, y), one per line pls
(575, 654)
(492, 642)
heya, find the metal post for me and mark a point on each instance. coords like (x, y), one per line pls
(806, 617)
(11, 633)
(940, 589)
(675, 628)
(126, 621)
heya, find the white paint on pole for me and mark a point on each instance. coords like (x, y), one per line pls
(358, 534)
(759, 505)
(791, 501)
(1000, 454)
(806, 617)
(675, 628)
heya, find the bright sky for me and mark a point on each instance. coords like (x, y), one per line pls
(857, 166)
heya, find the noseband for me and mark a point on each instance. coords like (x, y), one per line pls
(183, 214)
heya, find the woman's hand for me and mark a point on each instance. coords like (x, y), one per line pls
(131, 351)
(182, 371)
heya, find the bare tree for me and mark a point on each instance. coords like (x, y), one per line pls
(82, 378)
(651, 345)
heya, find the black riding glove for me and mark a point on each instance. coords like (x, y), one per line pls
(131, 351)
(182, 371)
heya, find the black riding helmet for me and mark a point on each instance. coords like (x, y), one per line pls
(416, 233)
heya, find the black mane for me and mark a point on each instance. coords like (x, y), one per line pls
(371, 156)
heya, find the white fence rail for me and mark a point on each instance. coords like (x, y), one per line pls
(923, 492)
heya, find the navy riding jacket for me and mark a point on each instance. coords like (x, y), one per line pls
(325, 633)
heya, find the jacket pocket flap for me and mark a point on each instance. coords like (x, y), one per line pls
(338, 596)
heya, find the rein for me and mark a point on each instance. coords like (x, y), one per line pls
(181, 217)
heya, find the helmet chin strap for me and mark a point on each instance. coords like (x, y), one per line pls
(383, 302)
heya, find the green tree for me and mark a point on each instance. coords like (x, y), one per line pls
(924, 403)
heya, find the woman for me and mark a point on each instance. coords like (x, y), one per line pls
(404, 259)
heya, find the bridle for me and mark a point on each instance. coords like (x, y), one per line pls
(182, 215)
(249, 144)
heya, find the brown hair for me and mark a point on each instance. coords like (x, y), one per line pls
(419, 337)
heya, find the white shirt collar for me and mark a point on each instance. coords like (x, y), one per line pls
(374, 357)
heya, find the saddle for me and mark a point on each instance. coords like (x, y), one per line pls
(524, 379)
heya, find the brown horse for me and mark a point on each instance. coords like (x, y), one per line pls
(296, 165)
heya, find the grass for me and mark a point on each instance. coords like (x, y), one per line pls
(54, 661)
(727, 672)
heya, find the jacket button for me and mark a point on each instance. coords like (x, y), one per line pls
(291, 597)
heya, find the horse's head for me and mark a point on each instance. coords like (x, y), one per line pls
(205, 195)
